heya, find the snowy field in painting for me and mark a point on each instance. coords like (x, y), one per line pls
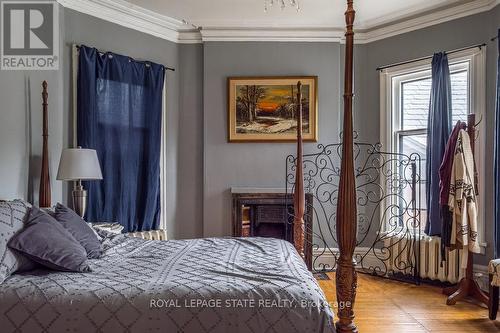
(270, 125)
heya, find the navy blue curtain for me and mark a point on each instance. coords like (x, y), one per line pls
(119, 115)
(497, 160)
(438, 132)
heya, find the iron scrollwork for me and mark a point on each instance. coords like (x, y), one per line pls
(389, 200)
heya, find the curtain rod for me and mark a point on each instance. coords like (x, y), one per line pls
(166, 67)
(430, 57)
(494, 38)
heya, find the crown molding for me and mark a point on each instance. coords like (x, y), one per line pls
(137, 18)
(424, 21)
(271, 35)
(134, 17)
(189, 37)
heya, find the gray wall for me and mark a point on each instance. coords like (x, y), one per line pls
(261, 165)
(451, 35)
(257, 164)
(21, 148)
(447, 36)
(491, 68)
(20, 117)
(21, 132)
(190, 143)
(202, 165)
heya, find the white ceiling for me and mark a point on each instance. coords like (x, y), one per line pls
(245, 20)
(313, 13)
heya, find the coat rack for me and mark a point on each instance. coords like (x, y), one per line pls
(467, 287)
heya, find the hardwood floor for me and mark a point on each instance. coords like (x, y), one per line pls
(389, 306)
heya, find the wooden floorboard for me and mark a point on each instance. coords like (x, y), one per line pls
(394, 307)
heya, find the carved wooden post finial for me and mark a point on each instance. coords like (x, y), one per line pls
(346, 278)
(299, 196)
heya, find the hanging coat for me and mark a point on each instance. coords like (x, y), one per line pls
(462, 199)
(444, 184)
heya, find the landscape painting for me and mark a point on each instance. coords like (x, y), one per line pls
(265, 108)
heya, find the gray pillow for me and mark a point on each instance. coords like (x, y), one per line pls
(77, 227)
(13, 215)
(45, 241)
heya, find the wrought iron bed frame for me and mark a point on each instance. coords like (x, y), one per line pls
(389, 194)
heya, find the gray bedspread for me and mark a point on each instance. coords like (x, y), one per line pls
(204, 285)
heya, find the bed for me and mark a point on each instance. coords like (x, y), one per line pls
(202, 285)
(206, 285)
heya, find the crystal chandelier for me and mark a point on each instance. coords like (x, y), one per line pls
(282, 3)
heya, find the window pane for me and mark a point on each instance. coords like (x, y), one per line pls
(415, 97)
(414, 144)
(460, 96)
(414, 104)
(409, 145)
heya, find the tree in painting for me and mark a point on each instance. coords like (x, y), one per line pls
(270, 109)
(248, 101)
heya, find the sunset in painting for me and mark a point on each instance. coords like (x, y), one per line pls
(270, 109)
(276, 96)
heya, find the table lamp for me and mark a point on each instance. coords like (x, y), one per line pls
(79, 164)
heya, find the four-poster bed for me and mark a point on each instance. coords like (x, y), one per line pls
(346, 278)
(210, 285)
(346, 223)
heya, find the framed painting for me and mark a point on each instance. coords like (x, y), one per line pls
(264, 109)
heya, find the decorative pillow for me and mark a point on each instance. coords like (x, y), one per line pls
(13, 215)
(77, 227)
(45, 241)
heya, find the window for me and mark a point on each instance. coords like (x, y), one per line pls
(405, 96)
(105, 124)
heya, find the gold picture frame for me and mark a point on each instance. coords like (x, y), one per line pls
(262, 109)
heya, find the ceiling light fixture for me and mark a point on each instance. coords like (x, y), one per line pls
(270, 3)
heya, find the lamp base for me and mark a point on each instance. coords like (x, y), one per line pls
(79, 200)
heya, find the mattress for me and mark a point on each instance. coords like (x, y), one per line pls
(203, 285)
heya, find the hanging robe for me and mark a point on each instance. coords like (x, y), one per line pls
(462, 199)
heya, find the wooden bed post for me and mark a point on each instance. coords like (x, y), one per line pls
(346, 277)
(44, 199)
(298, 194)
(346, 224)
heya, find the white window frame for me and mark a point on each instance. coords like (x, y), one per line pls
(390, 110)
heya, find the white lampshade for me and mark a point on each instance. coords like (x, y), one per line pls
(78, 163)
